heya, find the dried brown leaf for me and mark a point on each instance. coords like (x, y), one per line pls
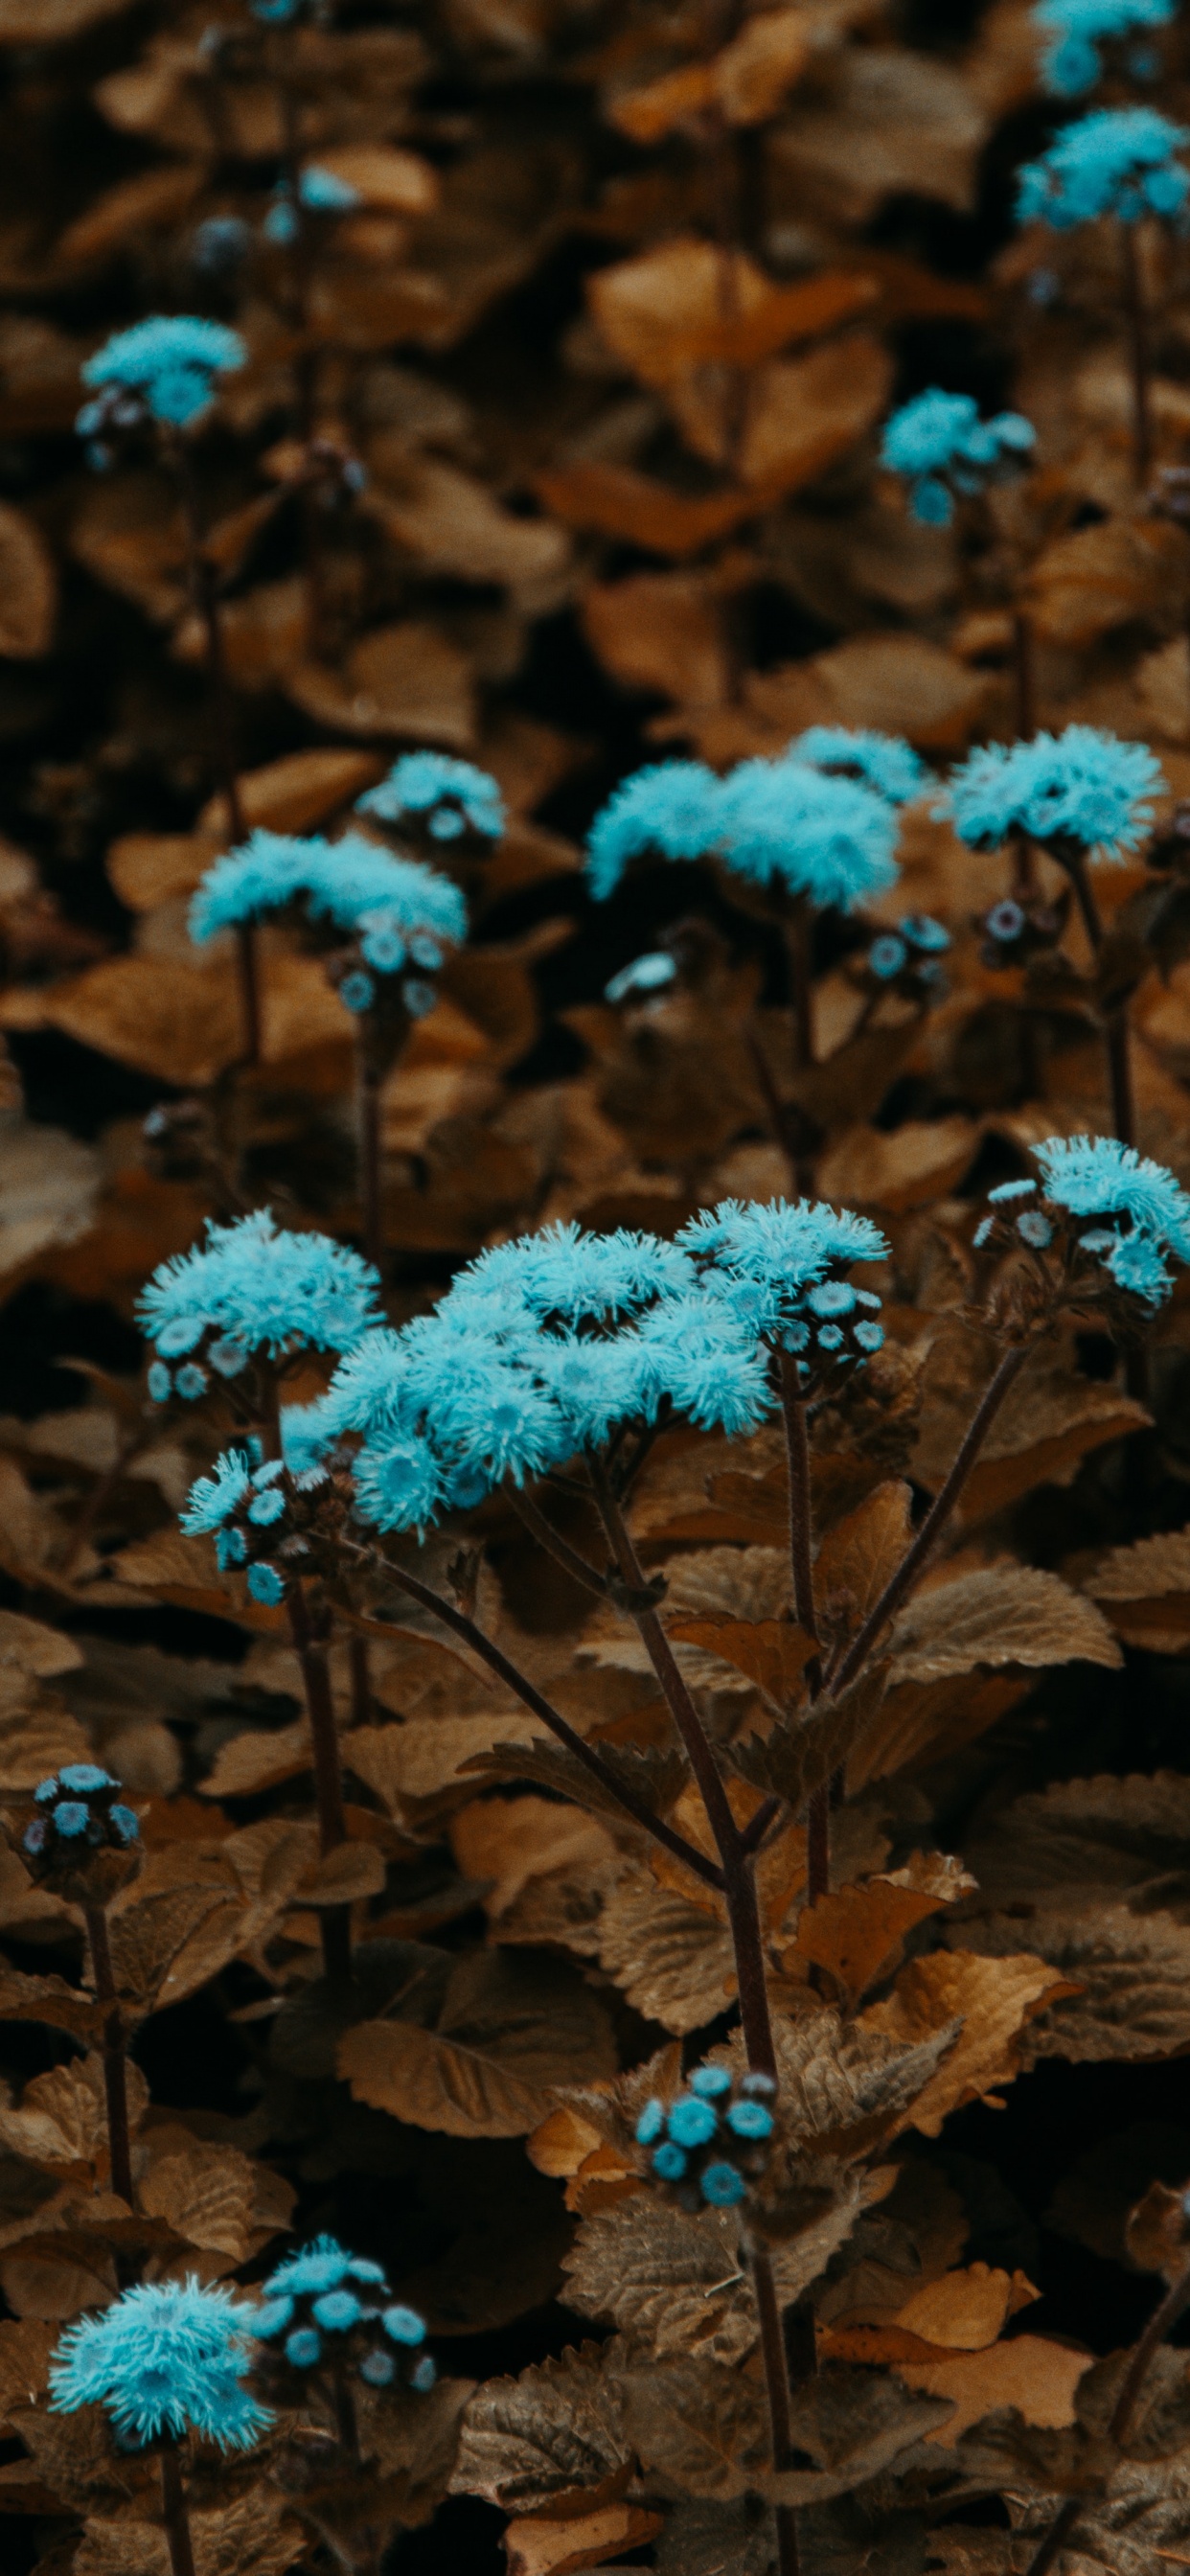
(1002, 1614)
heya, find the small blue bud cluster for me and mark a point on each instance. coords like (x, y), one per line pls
(820, 822)
(1076, 30)
(400, 916)
(252, 1508)
(942, 448)
(252, 1288)
(325, 2304)
(161, 370)
(1119, 161)
(1138, 1216)
(653, 973)
(448, 799)
(714, 2139)
(1084, 787)
(80, 1810)
(909, 956)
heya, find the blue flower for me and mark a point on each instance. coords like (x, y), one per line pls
(692, 2122)
(723, 2185)
(351, 882)
(878, 760)
(83, 1778)
(321, 2265)
(160, 1382)
(750, 2120)
(1116, 161)
(281, 226)
(649, 974)
(428, 782)
(399, 1482)
(404, 2325)
(1082, 785)
(262, 1287)
(941, 446)
(326, 194)
(711, 2081)
(165, 2358)
(766, 1257)
(219, 243)
(566, 1272)
(671, 809)
(379, 2369)
(886, 956)
(1097, 1176)
(357, 992)
(923, 932)
(212, 1499)
(170, 361)
(337, 2310)
(303, 2348)
(265, 1584)
(71, 1818)
(811, 833)
(669, 2163)
(651, 2122)
(1071, 62)
(706, 1359)
(191, 1382)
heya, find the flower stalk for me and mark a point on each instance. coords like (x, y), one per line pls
(174, 2512)
(115, 2069)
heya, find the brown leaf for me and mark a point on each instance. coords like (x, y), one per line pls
(206, 2195)
(1145, 1591)
(453, 524)
(406, 681)
(382, 175)
(923, 1722)
(551, 2440)
(255, 1760)
(1003, 1614)
(860, 1554)
(512, 1840)
(62, 2120)
(772, 1652)
(672, 2283)
(1037, 2377)
(408, 1767)
(28, 588)
(682, 305)
(615, 501)
(660, 631)
(804, 1749)
(901, 684)
(923, 1160)
(707, 2429)
(931, 1993)
(894, 123)
(352, 1871)
(854, 1931)
(537, 2545)
(672, 1960)
(747, 81)
(1105, 576)
(292, 794)
(135, 208)
(508, 2032)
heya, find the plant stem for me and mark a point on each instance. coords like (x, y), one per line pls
(368, 1100)
(115, 2071)
(776, 2381)
(176, 2518)
(533, 1699)
(1023, 674)
(361, 1681)
(551, 1539)
(1119, 1062)
(205, 595)
(328, 1777)
(818, 1818)
(935, 1520)
(1161, 2323)
(1138, 357)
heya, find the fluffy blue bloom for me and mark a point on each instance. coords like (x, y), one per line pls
(326, 194)
(454, 794)
(723, 2185)
(171, 361)
(782, 823)
(319, 2266)
(1075, 29)
(262, 1288)
(1097, 1176)
(1082, 785)
(878, 760)
(705, 1358)
(1116, 161)
(212, 1499)
(750, 2120)
(167, 2357)
(692, 2122)
(671, 809)
(574, 1275)
(941, 446)
(648, 974)
(265, 1584)
(766, 1258)
(404, 2325)
(351, 882)
(337, 2310)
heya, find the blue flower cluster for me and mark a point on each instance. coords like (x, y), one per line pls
(671, 808)
(1141, 1214)
(879, 760)
(689, 2137)
(169, 362)
(1117, 161)
(402, 913)
(544, 1346)
(322, 2296)
(809, 829)
(166, 2358)
(322, 192)
(1076, 29)
(255, 1287)
(80, 1810)
(247, 1505)
(941, 446)
(451, 796)
(1082, 785)
(913, 948)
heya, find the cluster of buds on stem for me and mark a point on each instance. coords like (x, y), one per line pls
(712, 2144)
(328, 2309)
(80, 1839)
(1089, 1238)
(908, 960)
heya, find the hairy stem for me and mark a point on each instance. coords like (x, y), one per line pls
(556, 1546)
(115, 2067)
(776, 2382)
(371, 1204)
(361, 1681)
(311, 1653)
(1138, 358)
(174, 2514)
(1116, 1043)
(205, 595)
(527, 1691)
(818, 1820)
(1162, 2322)
(935, 1520)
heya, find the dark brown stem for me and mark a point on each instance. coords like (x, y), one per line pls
(1161, 2323)
(935, 1520)
(550, 1538)
(345, 2416)
(798, 933)
(205, 595)
(1138, 358)
(115, 2070)
(818, 1818)
(174, 2514)
(361, 1681)
(1023, 673)
(781, 1120)
(369, 1158)
(526, 1691)
(757, 1827)
(776, 2381)
(1116, 1039)
(328, 1777)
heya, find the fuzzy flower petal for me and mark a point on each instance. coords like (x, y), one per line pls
(170, 360)
(941, 446)
(783, 823)
(424, 780)
(670, 809)
(165, 2358)
(1075, 30)
(1117, 161)
(349, 882)
(263, 1288)
(1082, 785)
(878, 760)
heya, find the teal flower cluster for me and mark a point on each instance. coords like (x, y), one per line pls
(1119, 161)
(942, 448)
(167, 363)
(878, 760)
(1139, 1214)
(327, 2304)
(255, 1287)
(651, 973)
(713, 2139)
(165, 2359)
(79, 1811)
(401, 914)
(818, 822)
(1083, 786)
(246, 1505)
(451, 797)
(1076, 29)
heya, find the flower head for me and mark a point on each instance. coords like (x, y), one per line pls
(779, 1269)
(1082, 785)
(257, 1287)
(350, 882)
(671, 809)
(878, 760)
(783, 823)
(942, 447)
(1075, 30)
(170, 361)
(1117, 161)
(322, 192)
(168, 2358)
(453, 796)
(649, 974)
(1138, 1214)
(324, 2303)
(1097, 1176)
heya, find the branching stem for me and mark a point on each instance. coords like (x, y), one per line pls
(174, 2513)
(818, 1818)
(556, 1546)
(312, 1655)
(205, 594)
(1162, 2322)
